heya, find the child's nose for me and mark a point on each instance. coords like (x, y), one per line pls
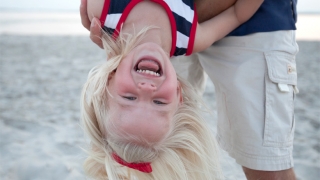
(147, 86)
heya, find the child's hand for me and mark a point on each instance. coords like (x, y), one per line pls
(93, 26)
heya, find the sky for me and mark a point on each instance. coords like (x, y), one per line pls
(304, 6)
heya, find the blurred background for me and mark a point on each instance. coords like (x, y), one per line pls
(45, 55)
(61, 17)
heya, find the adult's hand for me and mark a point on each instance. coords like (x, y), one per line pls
(94, 26)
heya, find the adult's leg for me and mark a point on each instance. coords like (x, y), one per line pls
(252, 174)
(189, 68)
(255, 83)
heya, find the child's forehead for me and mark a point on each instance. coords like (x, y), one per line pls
(147, 128)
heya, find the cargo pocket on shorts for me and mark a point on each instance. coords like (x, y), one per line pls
(281, 87)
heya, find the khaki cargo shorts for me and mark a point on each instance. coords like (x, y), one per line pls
(255, 80)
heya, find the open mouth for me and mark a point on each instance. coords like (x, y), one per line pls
(149, 67)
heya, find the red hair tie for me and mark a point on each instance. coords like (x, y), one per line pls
(143, 167)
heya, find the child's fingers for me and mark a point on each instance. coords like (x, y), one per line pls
(84, 15)
(95, 32)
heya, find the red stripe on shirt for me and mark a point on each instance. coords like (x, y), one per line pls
(172, 22)
(124, 16)
(192, 33)
(104, 12)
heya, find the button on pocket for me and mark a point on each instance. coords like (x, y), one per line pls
(281, 84)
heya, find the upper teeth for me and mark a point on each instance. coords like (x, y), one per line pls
(148, 72)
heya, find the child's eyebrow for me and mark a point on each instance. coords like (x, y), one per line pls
(126, 106)
(161, 112)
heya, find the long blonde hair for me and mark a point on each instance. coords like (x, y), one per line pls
(188, 152)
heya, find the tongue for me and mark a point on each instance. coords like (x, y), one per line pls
(148, 65)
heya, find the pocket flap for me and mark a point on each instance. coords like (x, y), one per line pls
(281, 67)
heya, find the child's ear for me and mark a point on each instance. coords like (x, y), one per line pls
(179, 93)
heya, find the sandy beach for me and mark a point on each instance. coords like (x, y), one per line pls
(44, 61)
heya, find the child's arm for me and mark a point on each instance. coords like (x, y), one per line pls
(219, 26)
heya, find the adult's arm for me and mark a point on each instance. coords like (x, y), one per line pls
(206, 9)
(222, 24)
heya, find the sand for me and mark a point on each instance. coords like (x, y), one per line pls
(40, 83)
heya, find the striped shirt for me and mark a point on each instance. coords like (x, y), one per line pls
(181, 13)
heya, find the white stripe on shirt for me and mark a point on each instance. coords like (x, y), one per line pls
(112, 20)
(181, 9)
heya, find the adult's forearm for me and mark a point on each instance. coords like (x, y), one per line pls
(206, 9)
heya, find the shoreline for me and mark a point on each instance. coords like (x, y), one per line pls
(69, 23)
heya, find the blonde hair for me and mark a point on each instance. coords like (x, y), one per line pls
(188, 152)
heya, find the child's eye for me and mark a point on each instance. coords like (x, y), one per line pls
(158, 102)
(129, 98)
